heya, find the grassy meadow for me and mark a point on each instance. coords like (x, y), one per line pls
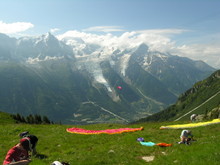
(118, 149)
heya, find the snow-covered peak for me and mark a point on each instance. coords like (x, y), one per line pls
(47, 39)
(89, 52)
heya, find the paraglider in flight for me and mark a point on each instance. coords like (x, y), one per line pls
(119, 87)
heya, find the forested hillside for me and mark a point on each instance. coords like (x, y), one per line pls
(203, 98)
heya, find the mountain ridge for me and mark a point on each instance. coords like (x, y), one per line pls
(54, 78)
(202, 99)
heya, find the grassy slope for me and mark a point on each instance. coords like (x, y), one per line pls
(120, 149)
(5, 118)
(203, 97)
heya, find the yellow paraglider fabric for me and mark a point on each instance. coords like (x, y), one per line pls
(191, 125)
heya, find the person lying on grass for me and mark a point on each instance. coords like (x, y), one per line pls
(19, 154)
(184, 137)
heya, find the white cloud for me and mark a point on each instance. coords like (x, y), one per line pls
(157, 40)
(11, 28)
(54, 30)
(209, 53)
(104, 29)
(47, 58)
(163, 31)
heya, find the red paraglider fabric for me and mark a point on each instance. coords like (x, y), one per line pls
(164, 144)
(119, 87)
(107, 131)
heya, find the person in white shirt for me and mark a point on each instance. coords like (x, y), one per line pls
(184, 137)
(59, 163)
(193, 117)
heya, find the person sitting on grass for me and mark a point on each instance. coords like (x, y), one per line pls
(19, 154)
(184, 137)
(33, 141)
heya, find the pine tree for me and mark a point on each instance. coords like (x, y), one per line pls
(23, 119)
(30, 119)
(46, 120)
(18, 117)
(37, 119)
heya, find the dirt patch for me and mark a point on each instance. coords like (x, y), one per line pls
(148, 158)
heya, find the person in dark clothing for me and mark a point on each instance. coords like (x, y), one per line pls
(33, 141)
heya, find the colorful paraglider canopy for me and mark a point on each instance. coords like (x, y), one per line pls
(191, 125)
(106, 131)
(119, 87)
(164, 144)
(148, 143)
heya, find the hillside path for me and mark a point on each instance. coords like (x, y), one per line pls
(197, 106)
(103, 109)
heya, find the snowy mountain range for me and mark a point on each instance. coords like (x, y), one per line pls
(75, 81)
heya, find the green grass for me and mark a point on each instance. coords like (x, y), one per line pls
(119, 149)
(5, 118)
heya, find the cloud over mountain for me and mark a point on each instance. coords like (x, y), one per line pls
(162, 40)
(16, 27)
(157, 39)
(105, 29)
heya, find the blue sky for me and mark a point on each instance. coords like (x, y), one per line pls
(192, 26)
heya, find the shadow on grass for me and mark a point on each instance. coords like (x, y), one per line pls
(40, 156)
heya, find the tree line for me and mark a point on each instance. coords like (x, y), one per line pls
(31, 119)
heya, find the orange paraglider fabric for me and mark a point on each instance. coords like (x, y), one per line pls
(107, 131)
(164, 144)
